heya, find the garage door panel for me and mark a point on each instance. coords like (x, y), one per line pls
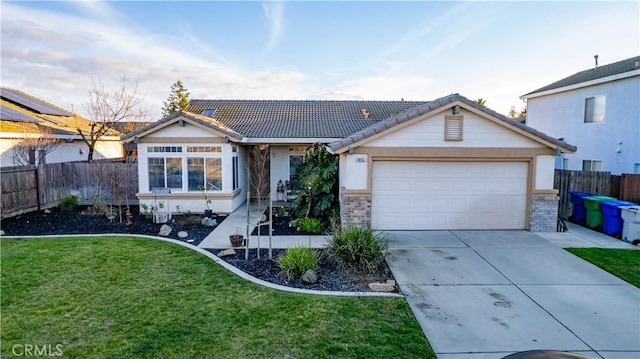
(440, 195)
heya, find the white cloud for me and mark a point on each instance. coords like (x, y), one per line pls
(274, 12)
(418, 88)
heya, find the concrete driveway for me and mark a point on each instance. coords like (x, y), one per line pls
(488, 294)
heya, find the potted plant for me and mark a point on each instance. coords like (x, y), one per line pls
(237, 239)
(207, 202)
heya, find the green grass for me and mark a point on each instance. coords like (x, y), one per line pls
(123, 297)
(623, 263)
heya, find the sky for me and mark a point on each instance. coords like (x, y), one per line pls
(301, 50)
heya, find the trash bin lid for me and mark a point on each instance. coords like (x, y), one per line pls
(599, 198)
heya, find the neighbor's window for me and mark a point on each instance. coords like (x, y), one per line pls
(591, 165)
(204, 172)
(453, 128)
(594, 109)
(565, 163)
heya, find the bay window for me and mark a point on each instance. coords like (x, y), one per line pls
(199, 168)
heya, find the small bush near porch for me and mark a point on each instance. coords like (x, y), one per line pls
(124, 297)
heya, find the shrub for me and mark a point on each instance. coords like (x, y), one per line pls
(356, 248)
(310, 225)
(297, 260)
(317, 184)
(68, 204)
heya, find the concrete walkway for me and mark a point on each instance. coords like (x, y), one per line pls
(237, 221)
(488, 294)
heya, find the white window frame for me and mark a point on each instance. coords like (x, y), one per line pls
(184, 152)
(594, 109)
(592, 165)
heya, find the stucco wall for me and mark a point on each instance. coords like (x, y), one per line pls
(65, 151)
(477, 132)
(616, 141)
(224, 201)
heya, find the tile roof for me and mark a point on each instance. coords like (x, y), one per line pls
(199, 119)
(593, 74)
(410, 114)
(299, 119)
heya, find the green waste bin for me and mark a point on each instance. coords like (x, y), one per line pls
(594, 214)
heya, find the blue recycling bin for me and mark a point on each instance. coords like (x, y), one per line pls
(612, 221)
(579, 214)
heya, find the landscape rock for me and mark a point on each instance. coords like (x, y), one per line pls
(227, 253)
(1, 232)
(183, 234)
(309, 277)
(388, 286)
(47, 211)
(165, 230)
(208, 222)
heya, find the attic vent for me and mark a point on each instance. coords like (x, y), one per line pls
(365, 113)
(453, 128)
(208, 112)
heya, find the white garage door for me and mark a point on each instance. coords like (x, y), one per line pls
(448, 195)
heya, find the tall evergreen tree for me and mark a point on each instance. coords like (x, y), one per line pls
(178, 99)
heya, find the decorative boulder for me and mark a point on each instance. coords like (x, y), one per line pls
(309, 277)
(183, 234)
(208, 222)
(1, 232)
(388, 286)
(227, 253)
(47, 211)
(165, 230)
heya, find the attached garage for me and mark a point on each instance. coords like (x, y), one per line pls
(450, 164)
(412, 195)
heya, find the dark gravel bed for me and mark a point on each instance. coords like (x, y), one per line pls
(81, 222)
(330, 277)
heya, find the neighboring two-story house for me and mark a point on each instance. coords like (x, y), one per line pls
(598, 110)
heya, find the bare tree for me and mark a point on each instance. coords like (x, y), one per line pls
(107, 108)
(258, 169)
(34, 148)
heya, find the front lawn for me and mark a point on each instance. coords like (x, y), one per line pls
(623, 263)
(126, 297)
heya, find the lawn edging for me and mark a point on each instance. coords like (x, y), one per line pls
(226, 265)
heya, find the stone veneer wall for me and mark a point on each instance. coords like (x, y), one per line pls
(544, 213)
(355, 209)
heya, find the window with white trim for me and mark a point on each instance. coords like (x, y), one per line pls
(165, 172)
(591, 165)
(235, 169)
(200, 167)
(453, 128)
(594, 108)
(204, 172)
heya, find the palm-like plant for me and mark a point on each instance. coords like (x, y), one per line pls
(317, 184)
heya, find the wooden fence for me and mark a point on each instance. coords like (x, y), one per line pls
(625, 187)
(31, 188)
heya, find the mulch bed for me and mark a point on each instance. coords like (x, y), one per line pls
(81, 222)
(330, 276)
